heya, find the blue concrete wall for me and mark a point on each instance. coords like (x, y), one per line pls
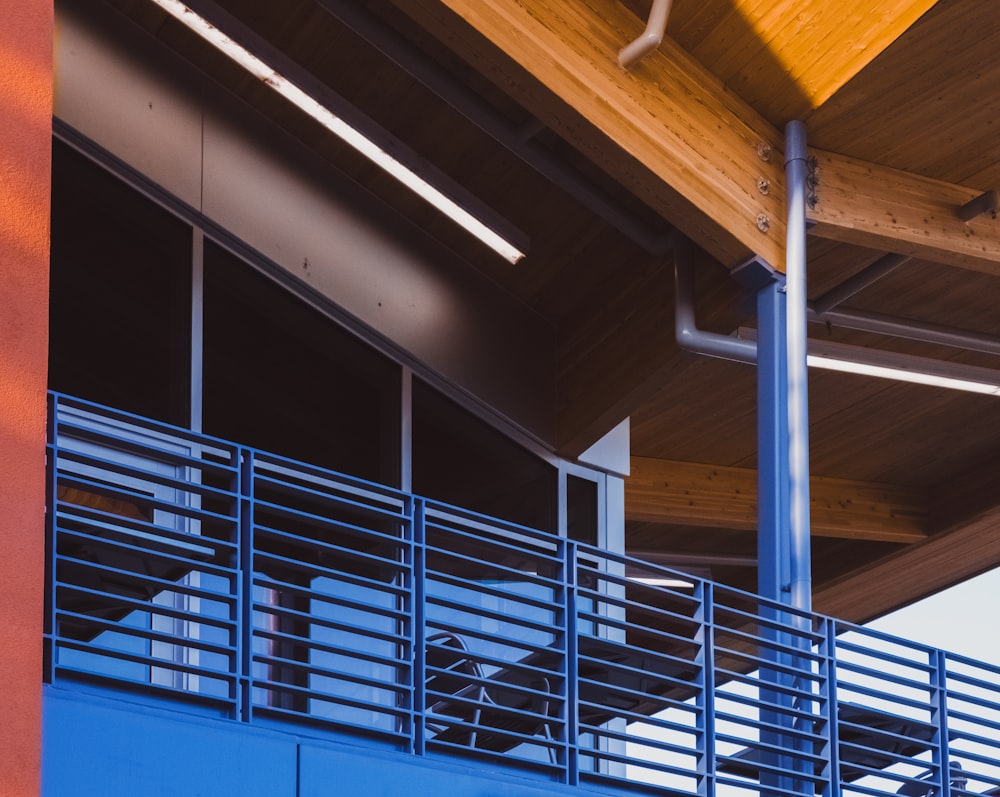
(95, 746)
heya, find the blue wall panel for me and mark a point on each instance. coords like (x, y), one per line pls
(325, 771)
(95, 746)
(102, 748)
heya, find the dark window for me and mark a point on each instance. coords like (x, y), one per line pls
(581, 510)
(281, 376)
(460, 460)
(120, 294)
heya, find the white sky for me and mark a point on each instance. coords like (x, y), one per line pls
(964, 619)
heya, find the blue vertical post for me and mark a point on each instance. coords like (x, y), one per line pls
(773, 536)
(772, 444)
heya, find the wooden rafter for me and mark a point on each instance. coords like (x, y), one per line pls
(668, 130)
(687, 493)
(863, 203)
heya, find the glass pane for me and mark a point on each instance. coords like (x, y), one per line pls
(281, 376)
(120, 294)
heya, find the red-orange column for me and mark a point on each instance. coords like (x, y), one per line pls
(26, 34)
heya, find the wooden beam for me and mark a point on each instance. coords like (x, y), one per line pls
(669, 130)
(687, 493)
(881, 208)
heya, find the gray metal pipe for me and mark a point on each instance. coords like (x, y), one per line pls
(864, 321)
(860, 281)
(650, 38)
(689, 337)
(796, 172)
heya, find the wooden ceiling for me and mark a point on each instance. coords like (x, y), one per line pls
(902, 103)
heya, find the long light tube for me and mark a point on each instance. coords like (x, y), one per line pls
(340, 128)
(884, 364)
(903, 368)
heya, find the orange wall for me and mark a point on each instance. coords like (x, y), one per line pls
(25, 169)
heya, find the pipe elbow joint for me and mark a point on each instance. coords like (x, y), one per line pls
(635, 50)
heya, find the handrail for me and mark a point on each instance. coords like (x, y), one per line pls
(315, 603)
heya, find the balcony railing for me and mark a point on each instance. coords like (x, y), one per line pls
(275, 591)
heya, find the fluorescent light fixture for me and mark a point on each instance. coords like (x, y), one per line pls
(883, 372)
(900, 367)
(903, 368)
(340, 128)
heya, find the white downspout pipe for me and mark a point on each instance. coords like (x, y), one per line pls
(650, 38)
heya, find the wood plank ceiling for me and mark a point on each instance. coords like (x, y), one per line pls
(902, 102)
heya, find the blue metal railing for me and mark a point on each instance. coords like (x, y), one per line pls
(275, 591)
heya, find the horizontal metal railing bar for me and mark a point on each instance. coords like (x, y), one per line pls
(149, 635)
(507, 733)
(191, 565)
(622, 626)
(495, 566)
(341, 493)
(886, 657)
(278, 468)
(264, 532)
(665, 659)
(225, 598)
(266, 507)
(754, 702)
(618, 712)
(500, 685)
(847, 669)
(163, 550)
(318, 720)
(444, 520)
(301, 668)
(144, 606)
(793, 733)
(150, 533)
(135, 497)
(268, 685)
(340, 649)
(398, 539)
(893, 698)
(740, 663)
(887, 757)
(499, 539)
(155, 456)
(527, 603)
(205, 697)
(605, 619)
(456, 700)
(438, 514)
(298, 566)
(335, 624)
(957, 678)
(492, 555)
(223, 466)
(522, 664)
(103, 411)
(457, 605)
(220, 676)
(623, 758)
(372, 513)
(807, 637)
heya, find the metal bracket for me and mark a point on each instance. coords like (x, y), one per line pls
(984, 203)
(812, 180)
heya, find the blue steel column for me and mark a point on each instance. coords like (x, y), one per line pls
(772, 445)
(773, 537)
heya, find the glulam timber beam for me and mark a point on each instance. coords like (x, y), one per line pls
(870, 205)
(668, 130)
(687, 493)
